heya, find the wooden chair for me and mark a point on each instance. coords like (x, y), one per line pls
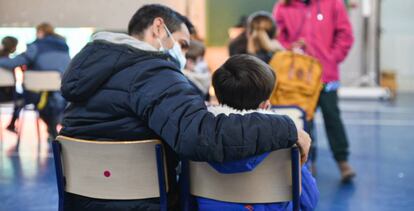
(112, 170)
(38, 81)
(6, 80)
(276, 179)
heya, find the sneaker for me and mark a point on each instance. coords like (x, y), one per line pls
(347, 173)
(12, 129)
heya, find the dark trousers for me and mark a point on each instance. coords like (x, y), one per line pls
(51, 113)
(338, 141)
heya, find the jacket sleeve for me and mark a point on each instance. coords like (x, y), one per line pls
(343, 35)
(22, 59)
(282, 31)
(174, 111)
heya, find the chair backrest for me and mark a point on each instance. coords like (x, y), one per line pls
(294, 112)
(42, 80)
(110, 170)
(270, 182)
(6, 78)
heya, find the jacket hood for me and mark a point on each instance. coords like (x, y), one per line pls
(123, 39)
(56, 43)
(107, 54)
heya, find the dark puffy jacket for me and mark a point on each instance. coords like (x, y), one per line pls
(122, 89)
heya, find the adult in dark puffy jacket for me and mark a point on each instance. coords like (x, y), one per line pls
(130, 87)
(48, 52)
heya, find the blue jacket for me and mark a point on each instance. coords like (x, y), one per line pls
(309, 197)
(120, 88)
(48, 53)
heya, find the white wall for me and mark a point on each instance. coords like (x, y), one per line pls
(101, 14)
(397, 43)
(350, 69)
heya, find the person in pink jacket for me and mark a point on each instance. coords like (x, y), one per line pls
(322, 29)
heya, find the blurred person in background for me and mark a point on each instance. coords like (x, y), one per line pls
(322, 29)
(8, 46)
(261, 30)
(196, 69)
(48, 52)
(258, 37)
(237, 34)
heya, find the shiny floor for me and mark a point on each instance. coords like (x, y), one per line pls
(382, 146)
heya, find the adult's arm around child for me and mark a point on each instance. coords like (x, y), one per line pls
(173, 110)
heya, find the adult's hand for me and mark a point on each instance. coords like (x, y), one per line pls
(303, 143)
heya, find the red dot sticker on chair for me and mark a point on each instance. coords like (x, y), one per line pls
(107, 173)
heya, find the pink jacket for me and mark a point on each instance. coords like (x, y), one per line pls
(325, 27)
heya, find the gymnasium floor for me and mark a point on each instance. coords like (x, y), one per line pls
(382, 154)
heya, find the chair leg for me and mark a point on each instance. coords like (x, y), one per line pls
(185, 186)
(38, 128)
(20, 132)
(59, 172)
(161, 177)
(1, 128)
(1, 132)
(295, 179)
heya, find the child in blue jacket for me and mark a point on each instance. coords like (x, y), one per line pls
(243, 85)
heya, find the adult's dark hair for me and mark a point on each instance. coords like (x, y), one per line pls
(256, 18)
(189, 24)
(243, 82)
(9, 45)
(145, 16)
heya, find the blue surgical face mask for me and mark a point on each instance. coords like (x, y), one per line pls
(175, 51)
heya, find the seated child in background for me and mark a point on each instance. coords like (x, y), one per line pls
(196, 69)
(243, 85)
(261, 33)
(7, 46)
(258, 39)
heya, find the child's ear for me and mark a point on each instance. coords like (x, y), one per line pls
(265, 105)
